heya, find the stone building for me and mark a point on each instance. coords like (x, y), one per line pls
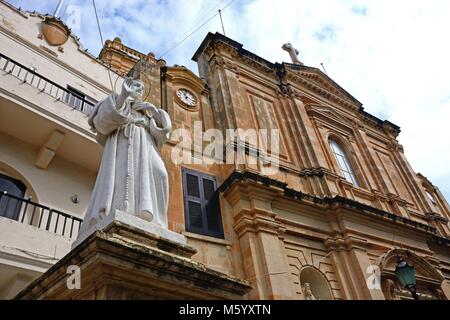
(331, 220)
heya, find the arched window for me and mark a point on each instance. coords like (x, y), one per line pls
(344, 164)
(431, 198)
(10, 207)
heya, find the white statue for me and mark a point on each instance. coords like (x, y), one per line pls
(308, 292)
(292, 52)
(132, 176)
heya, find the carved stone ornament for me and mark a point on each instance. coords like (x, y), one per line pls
(55, 31)
(308, 292)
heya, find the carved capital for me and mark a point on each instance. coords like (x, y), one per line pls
(345, 244)
(255, 223)
(335, 244)
(355, 243)
(216, 62)
(231, 67)
(395, 146)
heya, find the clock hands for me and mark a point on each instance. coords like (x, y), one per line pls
(186, 97)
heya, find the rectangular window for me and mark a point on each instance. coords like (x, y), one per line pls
(201, 204)
(79, 100)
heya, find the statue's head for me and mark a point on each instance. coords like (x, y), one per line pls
(287, 46)
(307, 287)
(135, 88)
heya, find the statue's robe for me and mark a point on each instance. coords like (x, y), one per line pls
(132, 175)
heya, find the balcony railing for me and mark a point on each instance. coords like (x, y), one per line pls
(39, 216)
(27, 75)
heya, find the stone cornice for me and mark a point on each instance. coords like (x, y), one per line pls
(334, 203)
(317, 84)
(117, 46)
(321, 79)
(441, 240)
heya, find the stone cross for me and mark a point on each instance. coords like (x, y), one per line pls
(292, 52)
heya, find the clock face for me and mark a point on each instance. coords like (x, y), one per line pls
(187, 97)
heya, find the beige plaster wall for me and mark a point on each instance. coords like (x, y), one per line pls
(20, 41)
(53, 186)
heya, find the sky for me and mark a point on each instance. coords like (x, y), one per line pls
(393, 56)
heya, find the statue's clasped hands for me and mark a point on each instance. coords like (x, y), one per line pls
(145, 106)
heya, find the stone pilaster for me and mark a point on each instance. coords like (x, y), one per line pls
(350, 257)
(261, 242)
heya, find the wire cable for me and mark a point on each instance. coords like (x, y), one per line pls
(101, 39)
(194, 31)
(208, 12)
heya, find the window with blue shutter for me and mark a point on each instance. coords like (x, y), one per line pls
(201, 204)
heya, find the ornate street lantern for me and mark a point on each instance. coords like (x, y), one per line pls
(406, 275)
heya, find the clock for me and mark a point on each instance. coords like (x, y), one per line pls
(187, 97)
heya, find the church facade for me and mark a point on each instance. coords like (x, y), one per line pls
(321, 212)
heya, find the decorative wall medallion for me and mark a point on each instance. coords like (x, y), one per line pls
(55, 31)
(187, 98)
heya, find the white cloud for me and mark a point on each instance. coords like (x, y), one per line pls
(393, 56)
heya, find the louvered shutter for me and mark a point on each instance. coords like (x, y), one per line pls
(212, 208)
(192, 202)
(201, 204)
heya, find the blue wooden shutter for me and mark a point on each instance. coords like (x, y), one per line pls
(201, 204)
(192, 202)
(212, 207)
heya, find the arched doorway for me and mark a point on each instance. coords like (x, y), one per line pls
(19, 191)
(10, 205)
(314, 284)
(429, 279)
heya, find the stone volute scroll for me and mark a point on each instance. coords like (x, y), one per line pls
(132, 180)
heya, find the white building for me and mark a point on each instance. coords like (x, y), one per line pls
(48, 155)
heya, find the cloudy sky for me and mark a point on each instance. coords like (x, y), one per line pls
(393, 56)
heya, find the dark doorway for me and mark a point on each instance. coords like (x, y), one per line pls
(9, 204)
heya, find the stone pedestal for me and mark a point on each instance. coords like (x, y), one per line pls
(129, 260)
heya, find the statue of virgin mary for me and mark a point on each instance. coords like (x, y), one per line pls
(132, 176)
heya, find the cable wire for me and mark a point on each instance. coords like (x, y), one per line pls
(208, 12)
(101, 39)
(194, 31)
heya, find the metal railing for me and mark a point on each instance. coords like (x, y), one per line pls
(39, 216)
(27, 75)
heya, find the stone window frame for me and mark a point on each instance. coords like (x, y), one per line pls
(431, 198)
(347, 156)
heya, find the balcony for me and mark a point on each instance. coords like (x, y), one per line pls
(44, 85)
(33, 237)
(39, 216)
(41, 107)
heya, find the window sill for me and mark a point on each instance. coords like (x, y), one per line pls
(201, 237)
